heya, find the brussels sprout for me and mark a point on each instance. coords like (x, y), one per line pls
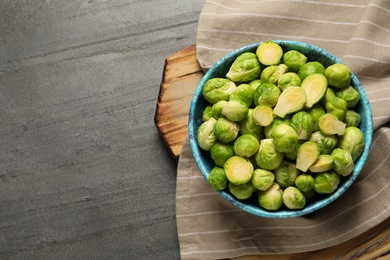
(285, 138)
(294, 153)
(302, 124)
(293, 198)
(337, 107)
(352, 118)
(304, 182)
(217, 178)
(326, 182)
(255, 83)
(330, 125)
(248, 126)
(262, 179)
(326, 142)
(267, 157)
(289, 79)
(245, 68)
(276, 121)
(246, 145)
(308, 153)
(205, 135)
(238, 170)
(316, 112)
(217, 89)
(272, 198)
(342, 162)
(311, 68)
(309, 194)
(352, 141)
(350, 95)
(329, 94)
(315, 86)
(243, 92)
(235, 110)
(269, 53)
(207, 113)
(324, 163)
(338, 75)
(263, 115)
(266, 94)
(242, 191)
(272, 74)
(225, 130)
(220, 152)
(290, 101)
(286, 174)
(294, 60)
(216, 109)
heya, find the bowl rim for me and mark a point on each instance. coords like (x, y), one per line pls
(366, 110)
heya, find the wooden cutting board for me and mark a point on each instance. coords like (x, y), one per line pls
(181, 76)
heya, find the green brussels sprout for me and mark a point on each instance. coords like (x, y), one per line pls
(311, 68)
(269, 53)
(205, 136)
(246, 145)
(242, 191)
(315, 86)
(291, 100)
(216, 109)
(326, 182)
(294, 153)
(217, 178)
(235, 110)
(263, 115)
(338, 75)
(352, 118)
(262, 179)
(289, 79)
(248, 126)
(220, 152)
(350, 95)
(207, 113)
(272, 198)
(342, 162)
(267, 157)
(337, 107)
(309, 194)
(352, 141)
(286, 174)
(238, 170)
(293, 198)
(285, 138)
(303, 124)
(330, 125)
(324, 163)
(327, 143)
(272, 74)
(304, 182)
(243, 92)
(316, 112)
(255, 83)
(225, 130)
(245, 68)
(276, 121)
(294, 60)
(217, 89)
(308, 153)
(266, 94)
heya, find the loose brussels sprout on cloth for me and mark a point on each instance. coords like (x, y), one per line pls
(245, 68)
(217, 89)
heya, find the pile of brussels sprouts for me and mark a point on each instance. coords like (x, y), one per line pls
(280, 128)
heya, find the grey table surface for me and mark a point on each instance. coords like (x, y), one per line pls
(84, 173)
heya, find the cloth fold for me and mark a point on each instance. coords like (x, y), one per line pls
(358, 32)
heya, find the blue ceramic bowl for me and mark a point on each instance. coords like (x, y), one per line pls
(205, 163)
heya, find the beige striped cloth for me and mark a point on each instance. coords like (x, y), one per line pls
(356, 31)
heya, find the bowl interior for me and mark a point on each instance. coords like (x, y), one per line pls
(205, 163)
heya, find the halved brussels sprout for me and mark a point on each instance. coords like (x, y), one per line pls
(269, 53)
(238, 170)
(352, 118)
(217, 178)
(337, 107)
(338, 75)
(326, 182)
(207, 113)
(285, 138)
(289, 79)
(286, 174)
(303, 124)
(246, 145)
(242, 191)
(263, 115)
(266, 94)
(205, 136)
(304, 182)
(324, 163)
(235, 110)
(248, 126)
(267, 157)
(315, 86)
(352, 141)
(293, 198)
(350, 95)
(217, 89)
(272, 74)
(308, 153)
(330, 125)
(243, 92)
(311, 68)
(272, 198)
(316, 112)
(220, 152)
(342, 162)
(216, 109)
(327, 143)
(291, 100)
(262, 179)
(225, 130)
(245, 68)
(294, 60)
